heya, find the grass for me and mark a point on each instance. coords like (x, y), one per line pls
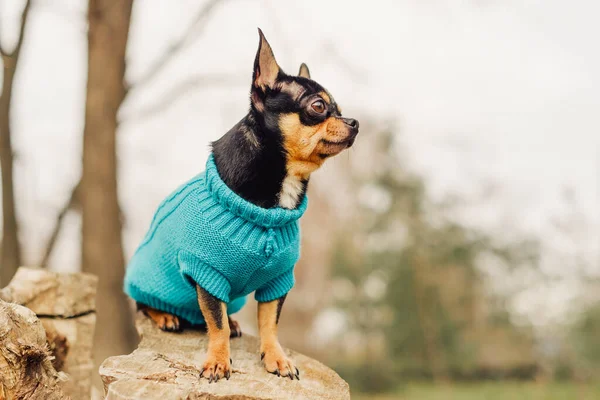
(490, 391)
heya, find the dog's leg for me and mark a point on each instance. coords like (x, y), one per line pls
(218, 363)
(270, 350)
(234, 328)
(165, 321)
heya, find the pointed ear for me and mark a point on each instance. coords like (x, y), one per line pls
(304, 72)
(265, 66)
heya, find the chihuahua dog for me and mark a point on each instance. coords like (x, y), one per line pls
(254, 189)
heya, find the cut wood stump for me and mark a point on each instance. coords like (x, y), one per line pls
(54, 314)
(26, 370)
(167, 366)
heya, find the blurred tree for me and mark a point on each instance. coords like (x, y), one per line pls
(97, 192)
(102, 249)
(585, 339)
(10, 256)
(415, 296)
(193, 31)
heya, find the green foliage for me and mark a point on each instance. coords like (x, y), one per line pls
(415, 284)
(585, 336)
(370, 377)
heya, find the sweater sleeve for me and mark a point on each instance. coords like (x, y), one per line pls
(276, 288)
(196, 271)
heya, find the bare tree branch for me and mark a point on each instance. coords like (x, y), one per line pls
(193, 31)
(10, 254)
(72, 203)
(188, 36)
(168, 99)
(24, 18)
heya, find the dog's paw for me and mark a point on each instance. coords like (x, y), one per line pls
(215, 368)
(165, 321)
(234, 327)
(169, 323)
(278, 364)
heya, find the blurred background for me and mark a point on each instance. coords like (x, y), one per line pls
(453, 252)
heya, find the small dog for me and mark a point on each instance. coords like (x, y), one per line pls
(234, 229)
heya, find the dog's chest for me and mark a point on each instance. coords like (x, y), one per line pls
(291, 190)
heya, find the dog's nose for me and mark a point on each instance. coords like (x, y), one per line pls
(352, 123)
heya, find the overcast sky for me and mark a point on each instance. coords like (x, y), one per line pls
(484, 91)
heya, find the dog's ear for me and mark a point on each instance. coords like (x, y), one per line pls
(265, 66)
(304, 72)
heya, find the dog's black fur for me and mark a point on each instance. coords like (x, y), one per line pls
(251, 158)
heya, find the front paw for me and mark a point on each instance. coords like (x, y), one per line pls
(277, 363)
(216, 366)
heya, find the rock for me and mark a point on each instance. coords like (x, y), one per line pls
(167, 366)
(65, 305)
(52, 294)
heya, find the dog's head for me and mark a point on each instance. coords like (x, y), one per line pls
(299, 110)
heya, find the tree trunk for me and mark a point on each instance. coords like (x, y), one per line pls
(434, 352)
(11, 254)
(102, 250)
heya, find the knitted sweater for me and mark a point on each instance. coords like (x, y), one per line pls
(205, 233)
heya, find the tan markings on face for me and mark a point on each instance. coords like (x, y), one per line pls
(304, 144)
(293, 89)
(325, 97)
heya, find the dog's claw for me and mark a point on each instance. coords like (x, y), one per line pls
(216, 368)
(278, 364)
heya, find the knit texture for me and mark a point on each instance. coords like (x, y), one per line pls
(205, 233)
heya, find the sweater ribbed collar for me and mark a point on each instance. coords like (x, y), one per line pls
(265, 217)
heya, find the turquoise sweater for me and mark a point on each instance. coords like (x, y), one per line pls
(205, 233)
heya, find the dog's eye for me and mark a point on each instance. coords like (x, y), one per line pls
(318, 106)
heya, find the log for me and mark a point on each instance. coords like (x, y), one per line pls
(65, 308)
(167, 366)
(26, 370)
